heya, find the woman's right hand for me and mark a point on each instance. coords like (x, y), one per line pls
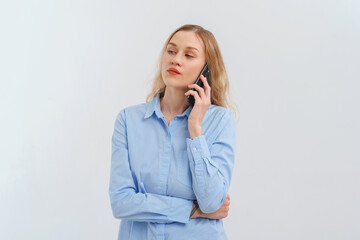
(222, 212)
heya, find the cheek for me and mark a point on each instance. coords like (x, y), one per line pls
(164, 62)
(165, 58)
(193, 74)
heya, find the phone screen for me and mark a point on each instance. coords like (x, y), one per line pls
(206, 73)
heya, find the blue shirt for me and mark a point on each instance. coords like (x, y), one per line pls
(157, 171)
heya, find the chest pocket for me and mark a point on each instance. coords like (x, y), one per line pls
(183, 174)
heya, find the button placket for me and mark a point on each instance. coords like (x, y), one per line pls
(165, 155)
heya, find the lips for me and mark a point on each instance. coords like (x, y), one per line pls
(173, 71)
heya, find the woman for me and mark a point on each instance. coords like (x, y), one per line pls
(171, 163)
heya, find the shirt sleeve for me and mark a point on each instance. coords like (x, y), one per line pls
(211, 167)
(130, 203)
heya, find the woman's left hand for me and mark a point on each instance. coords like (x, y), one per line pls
(202, 103)
(222, 212)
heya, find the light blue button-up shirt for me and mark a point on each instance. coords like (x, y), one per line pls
(157, 171)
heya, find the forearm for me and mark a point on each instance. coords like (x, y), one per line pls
(209, 185)
(147, 207)
(211, 162)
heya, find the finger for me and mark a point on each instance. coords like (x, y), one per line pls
(206, 85)
(200, 89)
(226, 203)
(195, 94)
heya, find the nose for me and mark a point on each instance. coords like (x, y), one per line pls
(176, 60)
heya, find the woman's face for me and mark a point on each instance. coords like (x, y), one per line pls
(185, 53)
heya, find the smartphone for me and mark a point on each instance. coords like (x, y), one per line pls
(206, 72)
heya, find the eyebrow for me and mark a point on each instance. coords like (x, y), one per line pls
(171, 43)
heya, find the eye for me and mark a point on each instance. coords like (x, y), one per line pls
(189, 55)
(170, 51)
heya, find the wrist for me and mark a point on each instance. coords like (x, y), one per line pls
(195, 132)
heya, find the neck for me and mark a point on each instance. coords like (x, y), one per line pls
(173, 102)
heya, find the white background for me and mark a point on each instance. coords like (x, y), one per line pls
(68, 67)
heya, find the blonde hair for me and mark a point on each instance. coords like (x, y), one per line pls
(219, 78)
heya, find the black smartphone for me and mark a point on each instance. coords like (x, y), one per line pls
(206, 72)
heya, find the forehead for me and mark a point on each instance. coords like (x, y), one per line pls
(189, 40)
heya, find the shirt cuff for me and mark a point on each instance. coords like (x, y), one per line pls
(180, 210)
(198, 144)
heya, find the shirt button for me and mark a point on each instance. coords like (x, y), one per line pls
(197, 173)
(194, 149)
(188, 149)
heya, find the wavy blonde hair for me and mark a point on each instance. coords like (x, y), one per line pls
(219, 78)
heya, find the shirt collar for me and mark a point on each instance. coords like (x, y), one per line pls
(154, 106)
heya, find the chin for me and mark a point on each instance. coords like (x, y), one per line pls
(174, 84)
(174, 81)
